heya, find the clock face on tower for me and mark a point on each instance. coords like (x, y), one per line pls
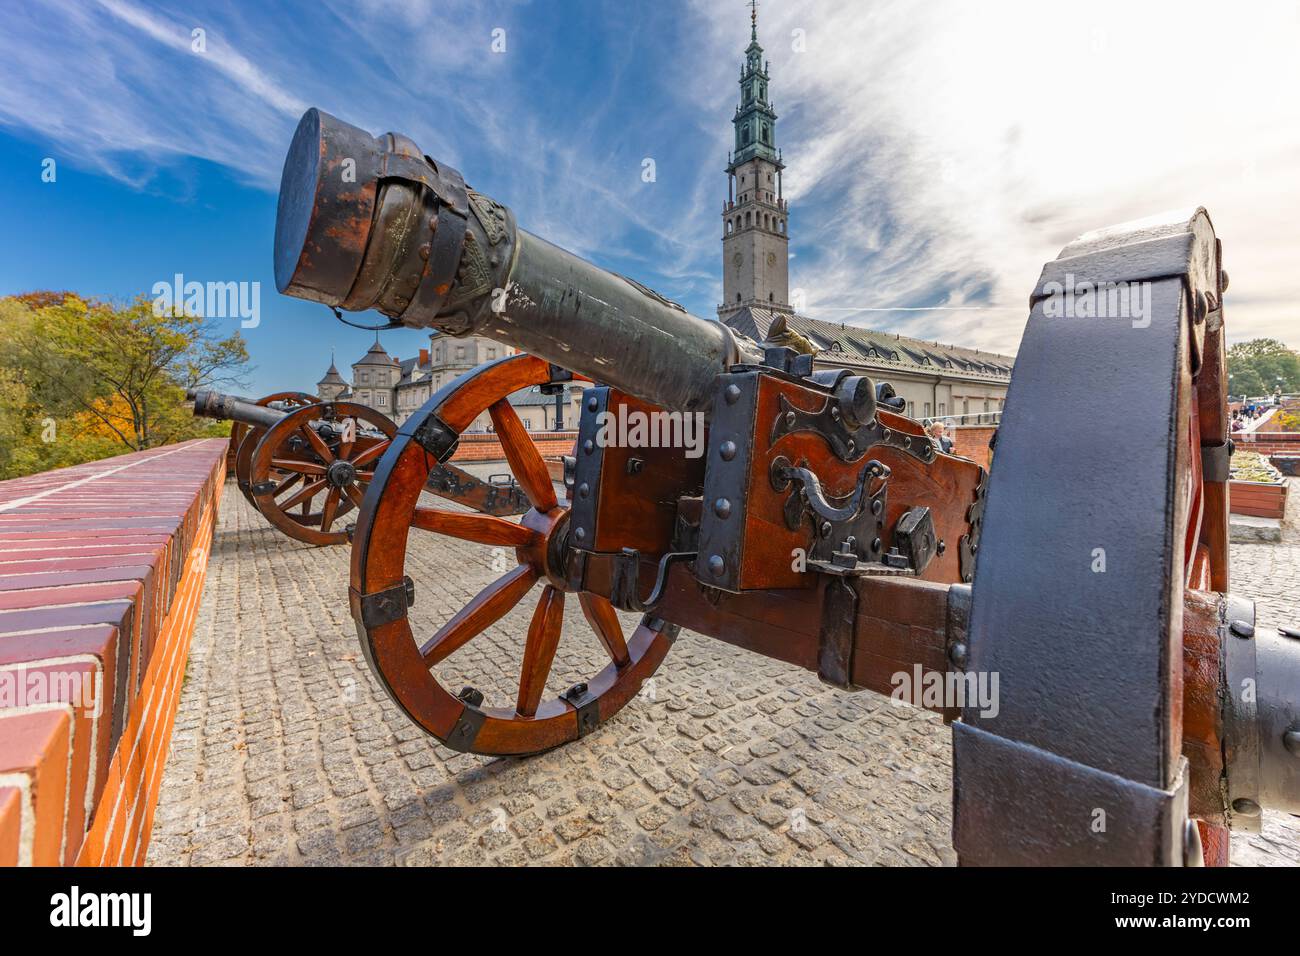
(738, 259)
(771, 258)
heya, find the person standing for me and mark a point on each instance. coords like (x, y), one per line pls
(941, 441)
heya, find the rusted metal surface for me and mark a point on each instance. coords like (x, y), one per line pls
(553, 304)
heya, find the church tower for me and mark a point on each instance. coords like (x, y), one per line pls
(755, 241)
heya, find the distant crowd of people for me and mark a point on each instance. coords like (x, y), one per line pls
(1247, 413)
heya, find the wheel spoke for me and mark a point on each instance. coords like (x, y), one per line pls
(370, 454)
(485, 529)
(354, 493)
(309, 491)
(345, 444)
(331, 509)
(485, 610)
(601, 616)
(539, 650)
(525, 460)
(287, 482)
(317, 443)
(302, 467)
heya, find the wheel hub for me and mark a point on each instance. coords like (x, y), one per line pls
(341, 473)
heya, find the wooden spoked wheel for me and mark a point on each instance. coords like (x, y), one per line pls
(244, 438)
(1097, 586)
(314, 465)
(381, 591)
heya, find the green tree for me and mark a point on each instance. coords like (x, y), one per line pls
(1257, 366)
(84, 379)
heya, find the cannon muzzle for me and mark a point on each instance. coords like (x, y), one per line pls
(210, 404)
(369, 222)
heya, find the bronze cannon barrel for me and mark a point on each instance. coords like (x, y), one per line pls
(235, 408)
(369, 222)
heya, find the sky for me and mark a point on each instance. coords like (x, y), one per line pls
(937, 153)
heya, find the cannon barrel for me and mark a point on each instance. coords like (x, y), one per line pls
(369, 222)
(191, 393)
(210, 404)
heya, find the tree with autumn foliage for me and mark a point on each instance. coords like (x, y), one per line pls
(82, 379)
(1261, 367)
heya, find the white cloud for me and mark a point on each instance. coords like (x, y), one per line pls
(954, 147)
(937, 152)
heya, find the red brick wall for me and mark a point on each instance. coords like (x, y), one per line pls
(972, 441)
(101, 566)
(1268, 443)
(485, 446)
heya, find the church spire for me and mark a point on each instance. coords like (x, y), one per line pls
(755, 120)
(755, 242)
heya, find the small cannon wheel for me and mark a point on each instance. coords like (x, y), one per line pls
(380, 593)
(293, 466)
(244, 438)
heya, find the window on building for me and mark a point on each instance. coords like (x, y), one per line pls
(927, 410)
(492, 352)
(911, 409)
(365, 378)
(460, 351)
(942, 408)
(382, 399)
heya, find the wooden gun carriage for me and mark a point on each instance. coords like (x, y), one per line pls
(305, 464)
(822, 528)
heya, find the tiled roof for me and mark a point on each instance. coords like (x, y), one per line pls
(869, 347)
(376, 355)
(332, 377)
(531, 397)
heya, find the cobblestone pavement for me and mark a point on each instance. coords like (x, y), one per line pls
(286, 751)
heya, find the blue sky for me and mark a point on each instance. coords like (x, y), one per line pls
(938, 153)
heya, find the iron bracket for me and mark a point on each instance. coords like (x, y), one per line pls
(970, 542)
(468, 724)
(847, 531)
(848, 444)
(391, 604)
(436, 437)
(1216, 461)
(626, 576)
(586, 704)
(835, 639)
(1085, 816)
(1238, 648)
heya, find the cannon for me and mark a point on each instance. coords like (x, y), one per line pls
(1140, 711)
(303, 464)
(277, 483)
